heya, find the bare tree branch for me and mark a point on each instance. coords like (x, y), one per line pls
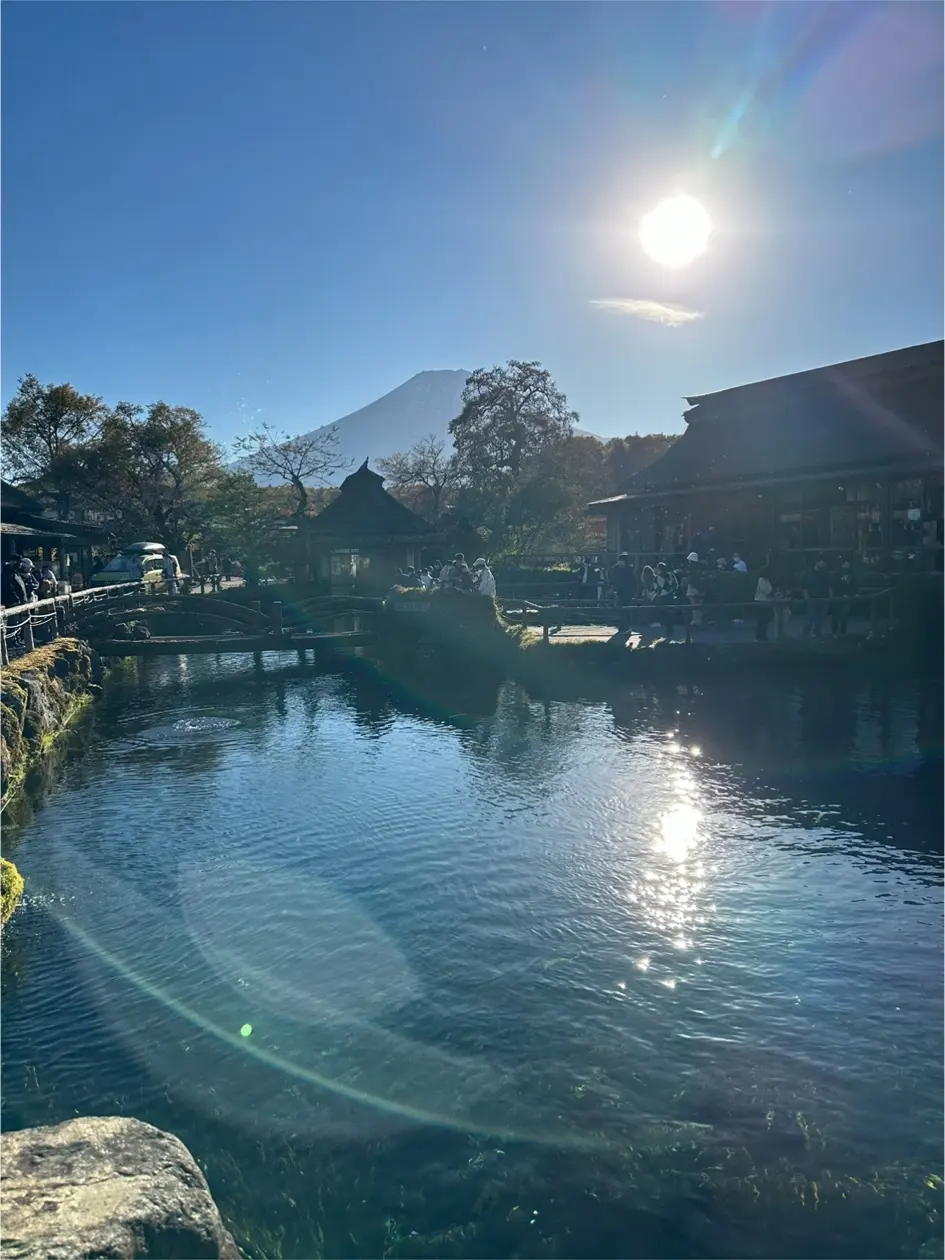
(429, 466)
(296, 461)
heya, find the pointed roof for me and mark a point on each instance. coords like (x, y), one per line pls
(364, 509)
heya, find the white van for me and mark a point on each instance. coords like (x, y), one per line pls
(138, 562)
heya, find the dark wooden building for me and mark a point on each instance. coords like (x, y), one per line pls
(26, 530)
(844, 459)
(361, 539)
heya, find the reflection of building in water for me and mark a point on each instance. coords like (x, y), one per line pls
(845, 459)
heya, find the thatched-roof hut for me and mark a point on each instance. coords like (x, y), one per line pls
(364, 537)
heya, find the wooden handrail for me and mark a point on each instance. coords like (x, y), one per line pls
(551, 614)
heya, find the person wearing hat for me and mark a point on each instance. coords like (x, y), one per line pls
(485, 581)
(30, 578)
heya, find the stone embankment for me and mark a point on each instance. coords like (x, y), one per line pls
(40, 694)
(106, 1186)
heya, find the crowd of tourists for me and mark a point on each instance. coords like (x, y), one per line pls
(23, 582)
(696, 584)
(451, 575)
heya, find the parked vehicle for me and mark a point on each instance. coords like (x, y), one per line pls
(138, 562)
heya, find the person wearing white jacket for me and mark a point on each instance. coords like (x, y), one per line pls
(485, 581)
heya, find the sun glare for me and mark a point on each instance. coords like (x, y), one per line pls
(676, 232)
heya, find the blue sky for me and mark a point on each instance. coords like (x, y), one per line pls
(285, 210)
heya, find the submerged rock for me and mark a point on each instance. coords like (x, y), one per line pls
(106, 1186)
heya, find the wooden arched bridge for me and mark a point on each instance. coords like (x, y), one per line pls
(127, 620)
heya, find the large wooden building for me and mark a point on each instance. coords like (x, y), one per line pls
(844, 460)
(26, 530)
(362, 538)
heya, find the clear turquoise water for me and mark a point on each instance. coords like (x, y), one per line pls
(465, 973)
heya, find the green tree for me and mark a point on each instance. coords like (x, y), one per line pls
(45, 429)
(295, 461)
(424, 477)
(513, 421)
(240, 517)
(629, 455)
(153, 469)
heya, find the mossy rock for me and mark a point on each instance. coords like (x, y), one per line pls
(10, 728)
(11, 889)
(13, 697)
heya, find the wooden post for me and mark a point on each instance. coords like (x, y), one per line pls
(28, 632)
(60, 620)
(257, 610)
(4, 653)
(276, 616)
(545, 627)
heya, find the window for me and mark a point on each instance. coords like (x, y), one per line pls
(905, 523)
(344, 566)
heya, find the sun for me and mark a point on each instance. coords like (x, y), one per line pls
(676, 232)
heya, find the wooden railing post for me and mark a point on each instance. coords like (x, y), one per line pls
(257, 610)
(4, 651)
(60, 620)
(28, 642)
(276, 617)
(545, 627)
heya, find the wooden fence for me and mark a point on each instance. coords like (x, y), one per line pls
(24, 626)
(878, 606)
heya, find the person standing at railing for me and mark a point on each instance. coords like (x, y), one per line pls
(13, 591)
(623, 580)
(48, 583)
(30, 579)
(764, 595)
(170, 569)
(695, 587)
(843, 588)
(816, 588)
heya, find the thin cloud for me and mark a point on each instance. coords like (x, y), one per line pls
(665, 313)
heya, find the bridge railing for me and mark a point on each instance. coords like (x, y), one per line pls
(23, 626)
(878, 606)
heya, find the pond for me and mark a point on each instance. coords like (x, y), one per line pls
(439, 968)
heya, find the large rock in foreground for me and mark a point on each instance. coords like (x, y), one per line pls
(106, 1187)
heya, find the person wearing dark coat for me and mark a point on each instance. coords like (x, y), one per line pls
(13, 589)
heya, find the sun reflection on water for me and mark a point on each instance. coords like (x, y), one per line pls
(679, 832)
